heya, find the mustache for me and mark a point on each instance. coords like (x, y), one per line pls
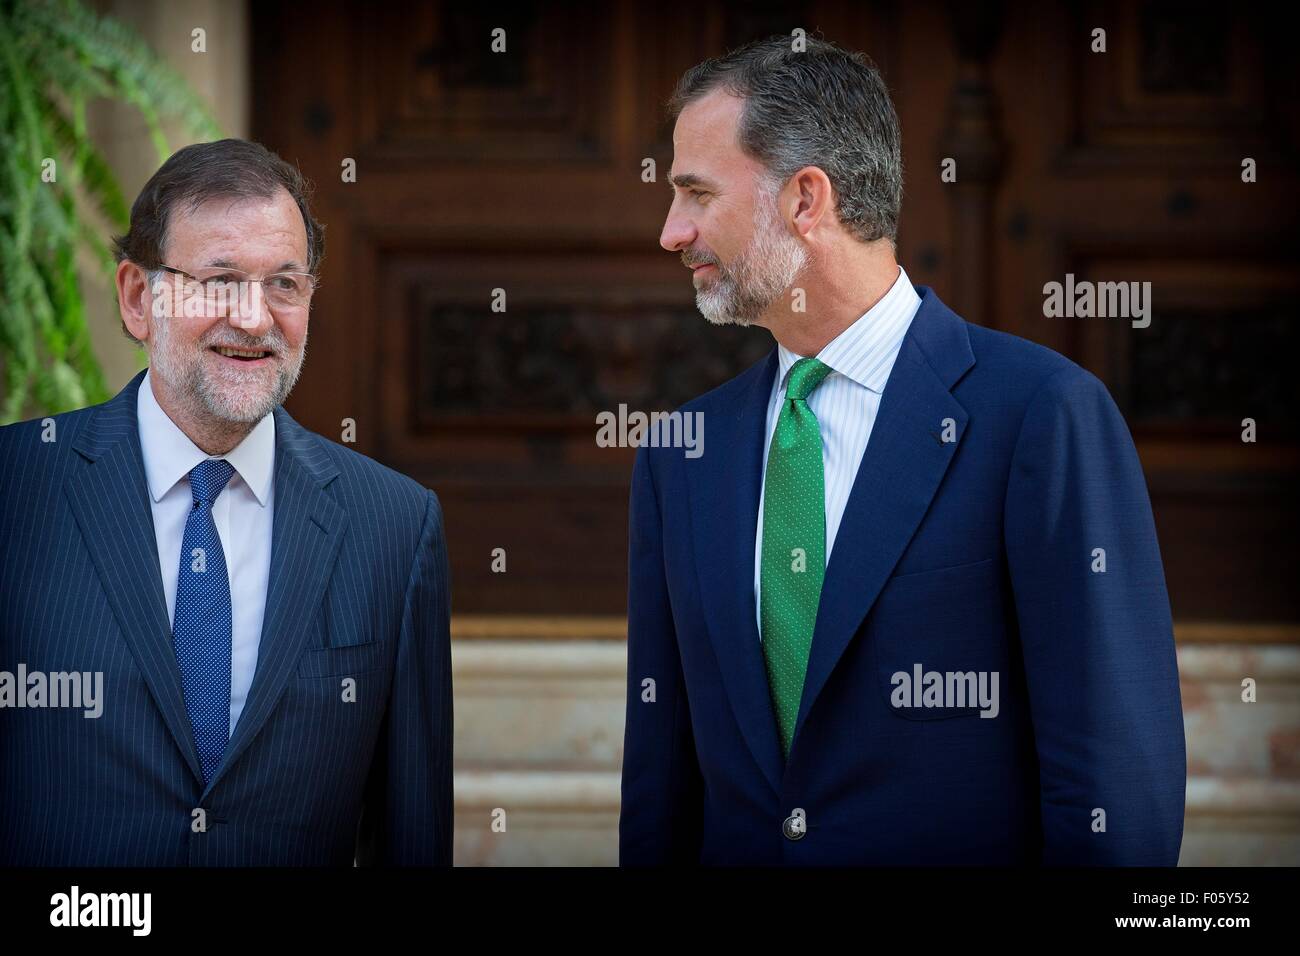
(691, 260)
(273, 343)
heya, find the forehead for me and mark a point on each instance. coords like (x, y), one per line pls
(704, 139)
(239, 228)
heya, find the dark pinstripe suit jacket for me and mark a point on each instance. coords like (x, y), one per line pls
(358, 588)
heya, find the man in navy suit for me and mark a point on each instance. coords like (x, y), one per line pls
(224, 640)
(909, 608)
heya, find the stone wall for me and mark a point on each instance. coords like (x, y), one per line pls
(539, 734)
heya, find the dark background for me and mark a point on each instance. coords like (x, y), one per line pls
(522, 171)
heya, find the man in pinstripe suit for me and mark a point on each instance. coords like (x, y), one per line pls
(268, 611)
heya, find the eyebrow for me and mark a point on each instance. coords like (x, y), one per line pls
(290, 266)
(690, 180)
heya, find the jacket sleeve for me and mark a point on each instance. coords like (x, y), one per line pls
(1096, 632)
(661, 814)
(407, 817)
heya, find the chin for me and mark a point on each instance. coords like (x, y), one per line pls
(239, 410)
(717, 312)
(244, 399)
(722, 319)
(715, 309)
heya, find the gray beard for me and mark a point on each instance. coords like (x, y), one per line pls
(757, 277)
(209, 399)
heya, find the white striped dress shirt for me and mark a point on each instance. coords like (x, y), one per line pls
(845, 404)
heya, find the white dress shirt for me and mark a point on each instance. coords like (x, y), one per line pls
(242, 514)
(845, 404)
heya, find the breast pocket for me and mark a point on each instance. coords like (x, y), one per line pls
(938, 642)
(343, 661)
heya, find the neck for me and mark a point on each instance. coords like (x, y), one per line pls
(839, 289)
(212, 436)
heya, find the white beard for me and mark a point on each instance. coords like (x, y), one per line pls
(224, 393)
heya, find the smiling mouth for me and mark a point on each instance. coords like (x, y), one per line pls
(242, 355)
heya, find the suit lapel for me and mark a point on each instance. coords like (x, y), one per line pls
(904, 462)
(725, 485)
(307, 529)
(109, 497)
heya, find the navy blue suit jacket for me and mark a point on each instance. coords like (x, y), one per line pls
(358, 588)
(975, 554)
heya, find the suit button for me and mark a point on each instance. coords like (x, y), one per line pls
(795, 825)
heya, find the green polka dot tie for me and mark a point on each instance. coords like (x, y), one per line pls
(794, 544)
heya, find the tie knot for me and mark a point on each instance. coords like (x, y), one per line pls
(208, 477)
(805, 375)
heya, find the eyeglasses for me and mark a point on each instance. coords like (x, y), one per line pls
(220, 287)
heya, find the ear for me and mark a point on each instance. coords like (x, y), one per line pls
(134, 298)
(808, 199)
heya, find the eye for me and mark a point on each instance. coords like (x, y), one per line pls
(284, 283)
(223, 278)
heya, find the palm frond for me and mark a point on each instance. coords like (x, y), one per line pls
(56, 57)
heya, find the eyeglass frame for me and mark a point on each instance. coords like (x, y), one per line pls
(313, 282)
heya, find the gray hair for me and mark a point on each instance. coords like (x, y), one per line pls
(822, 106)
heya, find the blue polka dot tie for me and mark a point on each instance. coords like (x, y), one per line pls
(794, 544)
(201, 621)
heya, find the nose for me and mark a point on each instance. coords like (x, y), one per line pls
(678, 232)
(251, 314)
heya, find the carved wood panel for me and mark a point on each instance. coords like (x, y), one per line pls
(521, 170)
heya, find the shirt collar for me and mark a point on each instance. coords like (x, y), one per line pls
(169, 454)
(863, 352)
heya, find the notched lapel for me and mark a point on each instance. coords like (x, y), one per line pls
(725, 485)
(109, 497)
(901, 469)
